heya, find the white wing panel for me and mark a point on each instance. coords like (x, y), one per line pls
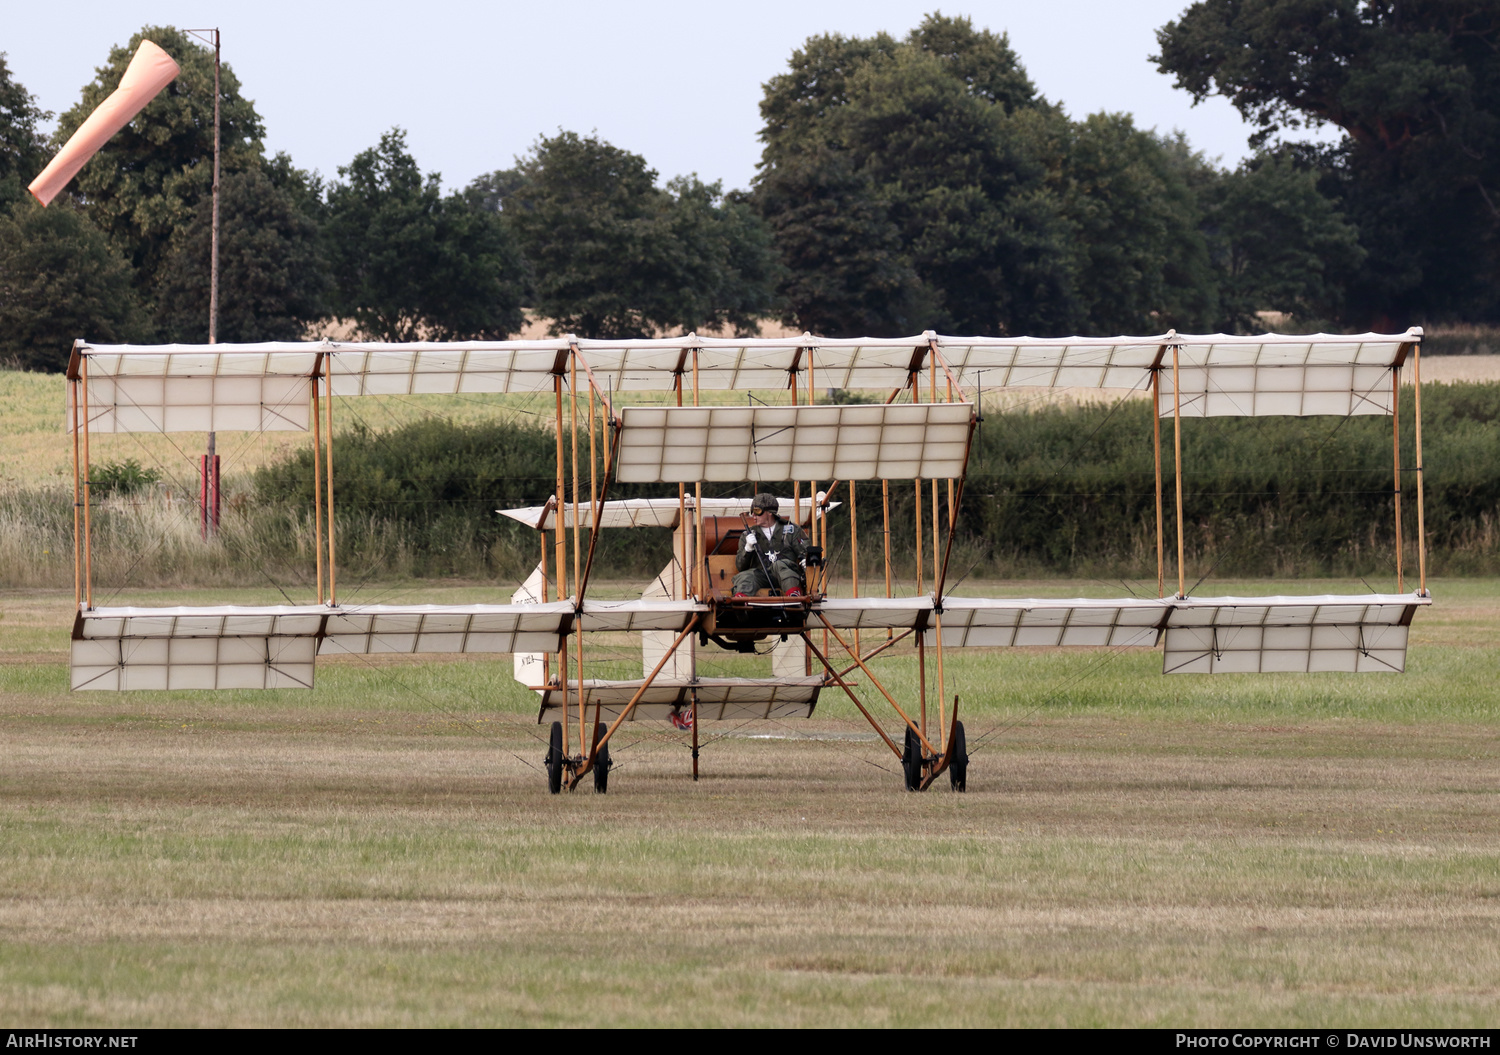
(1002, 623)
(1258, 391)
(1234, 369)
(285, 359)
(874, 613)
(276, 646)
(671, 444)
(125, 663)
(1218, 374)
(227, 621)
(646, 512)
(995, 623)
(133, 403)
(737, 364)
(865, 362)
(1250, 635)
(476, 628)
(471, 366)
(1209, 635)
(638, 615)
(1071, 362)
(719, 699)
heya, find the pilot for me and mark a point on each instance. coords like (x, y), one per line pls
(772, 544)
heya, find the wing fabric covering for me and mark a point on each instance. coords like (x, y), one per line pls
(1263, 635)
(652, 512)
(856, 442)
(265, 386)
(1218, 375)
(981, 622)
(276, 647)
(1364, 633)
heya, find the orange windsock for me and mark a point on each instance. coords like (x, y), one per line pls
(151, 70)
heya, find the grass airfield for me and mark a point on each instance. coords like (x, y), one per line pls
(1134, 849)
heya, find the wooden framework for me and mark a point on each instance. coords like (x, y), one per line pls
(565, 569)
(579, 763)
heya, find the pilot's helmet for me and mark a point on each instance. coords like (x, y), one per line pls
(764, 503)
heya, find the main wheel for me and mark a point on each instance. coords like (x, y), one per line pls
(958, 765)
(554, 760)
(911, 760)
(601, 761)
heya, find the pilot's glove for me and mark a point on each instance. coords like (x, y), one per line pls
(750, 541)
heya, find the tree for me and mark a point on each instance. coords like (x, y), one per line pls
(614, 255)
(410, 264)
(145, 184)
(1134, 205)
(845, 271)
(721, 272)
(922, 151)
(272, 276)
(1282, 246)
(22, 150)
(60, 279)
(1415, 87)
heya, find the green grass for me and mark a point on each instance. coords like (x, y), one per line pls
(1448, 677)
(1134, 849)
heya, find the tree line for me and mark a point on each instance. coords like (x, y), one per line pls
(905, 183)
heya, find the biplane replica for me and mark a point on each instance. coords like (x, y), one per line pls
(918, 437)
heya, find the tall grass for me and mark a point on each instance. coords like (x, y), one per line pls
(154, 540)
(146, 538)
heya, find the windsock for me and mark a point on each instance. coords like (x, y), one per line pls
(151, 70)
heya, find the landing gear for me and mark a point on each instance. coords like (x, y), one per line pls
(919, 770)
(958, 765)
(911, 760)
(558, 763)
(554, 760)
(602, 761)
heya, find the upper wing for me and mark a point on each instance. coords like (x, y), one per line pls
(1216, 374)
(167, 388)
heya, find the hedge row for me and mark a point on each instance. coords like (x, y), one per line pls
(1060, 490)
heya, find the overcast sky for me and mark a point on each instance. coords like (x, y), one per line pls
(474, 84)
